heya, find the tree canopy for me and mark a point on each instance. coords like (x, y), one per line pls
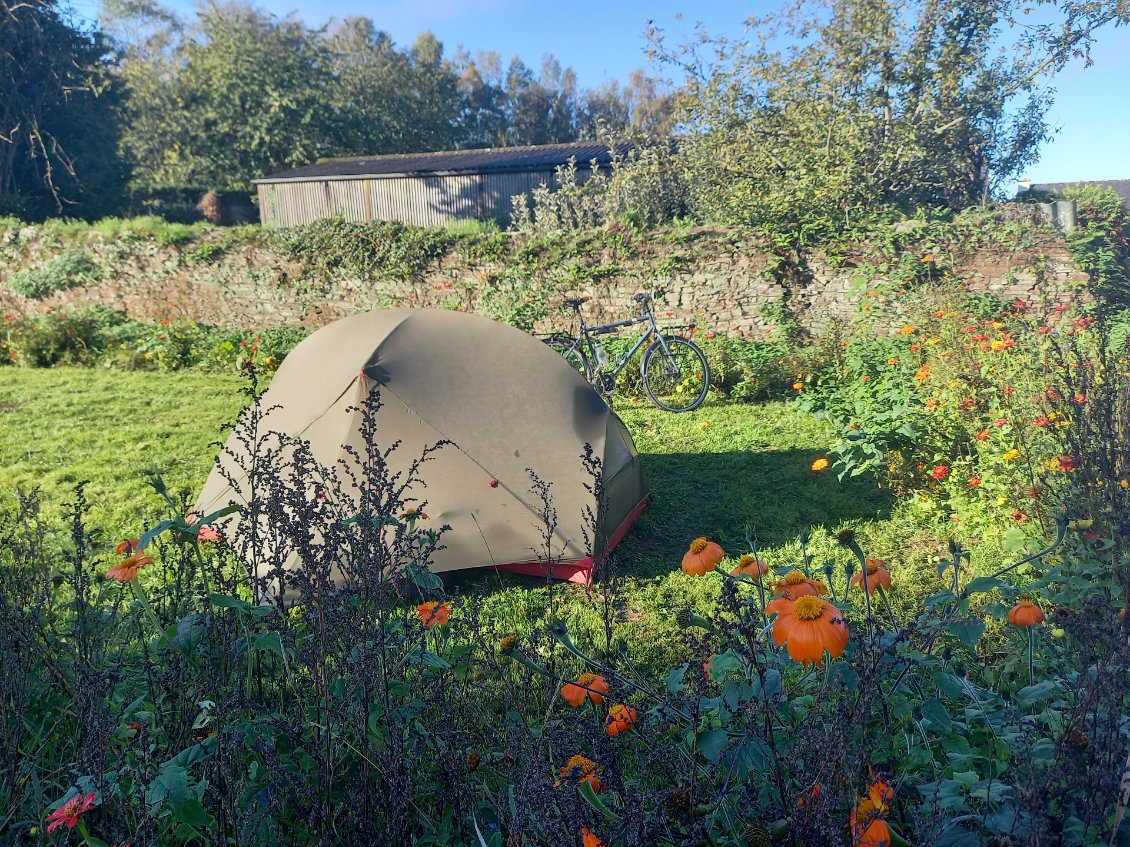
(835, 108)
(58, 121)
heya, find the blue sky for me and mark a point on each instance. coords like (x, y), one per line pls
(603, 40)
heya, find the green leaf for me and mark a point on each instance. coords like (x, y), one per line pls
(593, 800)
(225, 601)
(938, 715)
(982, 583)
(194, 814)
(149, 534)
(949, 684)
(1038, 693)
(219, 513)
(711, 744)
(674, 680)
(431, 660)
(966, 779)
(270, 641)
(968, 632)
(723, 665)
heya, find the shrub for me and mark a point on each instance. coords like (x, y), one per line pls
(366, 250)
(56, 274)
(101, 336)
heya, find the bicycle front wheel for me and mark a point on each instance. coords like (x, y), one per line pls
(570, 350)
(675, 378)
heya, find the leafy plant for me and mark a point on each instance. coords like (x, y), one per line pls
(58, 273)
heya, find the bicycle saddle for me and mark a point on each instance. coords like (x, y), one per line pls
(575, 302)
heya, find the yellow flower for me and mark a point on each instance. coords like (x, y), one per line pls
(820, 464)
(1011, 454)
(933, 341)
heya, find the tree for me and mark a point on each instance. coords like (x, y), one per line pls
(856, 107)
(645, 106)
(370, 91)
(482, 119)
(541, 110)
(58, 114)
(238, 95)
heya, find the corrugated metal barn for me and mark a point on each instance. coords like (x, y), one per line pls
(426, 189)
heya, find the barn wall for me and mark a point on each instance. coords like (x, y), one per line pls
(419, 200)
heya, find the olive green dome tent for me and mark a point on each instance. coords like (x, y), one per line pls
(505, 401)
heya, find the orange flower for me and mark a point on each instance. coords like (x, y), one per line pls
(68, 814)
(1025, 613)
(126, 570)
(432, 613)
(868, 829)
(588, 839)
(621, 718)
(906, 330)
(578, 769)
(808, 626)
(587, 685)
(820, 464)
(127, 545)
(702, 556)
(873, 834)
(796, 584)
(877, 574)
(923, 373)
(751, 566)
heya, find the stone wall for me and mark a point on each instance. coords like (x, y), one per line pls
(724, 279)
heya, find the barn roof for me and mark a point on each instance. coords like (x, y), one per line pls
(1121, 187)
(542, 157)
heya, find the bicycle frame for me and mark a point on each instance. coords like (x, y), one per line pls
(613, 368)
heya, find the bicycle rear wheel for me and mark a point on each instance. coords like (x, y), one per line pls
(570, 350)
(676, 379)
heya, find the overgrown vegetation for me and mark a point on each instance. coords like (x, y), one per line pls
(56, 274)
(191, 707)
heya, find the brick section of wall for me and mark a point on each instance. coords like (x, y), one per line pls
(727, 284)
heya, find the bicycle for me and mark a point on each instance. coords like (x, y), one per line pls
(674, 370)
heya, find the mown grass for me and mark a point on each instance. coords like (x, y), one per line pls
(730, 471)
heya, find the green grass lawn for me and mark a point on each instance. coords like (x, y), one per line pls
(728, 471)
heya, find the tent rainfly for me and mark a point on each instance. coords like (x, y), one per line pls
(507, 403)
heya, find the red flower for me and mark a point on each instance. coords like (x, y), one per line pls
(620, 718)
(587, 685)
(128, 545)
(1042, 422)
(967, 404)
(579, 769)
(999, 422)
(1068, 463)
(432, 613)
(68, 814)
(974, 481)
(1043, 330)
(1079, 399)
(205, 533)
(126, 570)
(1084, 323)
(940, 472)
(1025, 613)
(982, 435)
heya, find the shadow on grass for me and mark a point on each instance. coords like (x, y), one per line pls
(774, 495)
